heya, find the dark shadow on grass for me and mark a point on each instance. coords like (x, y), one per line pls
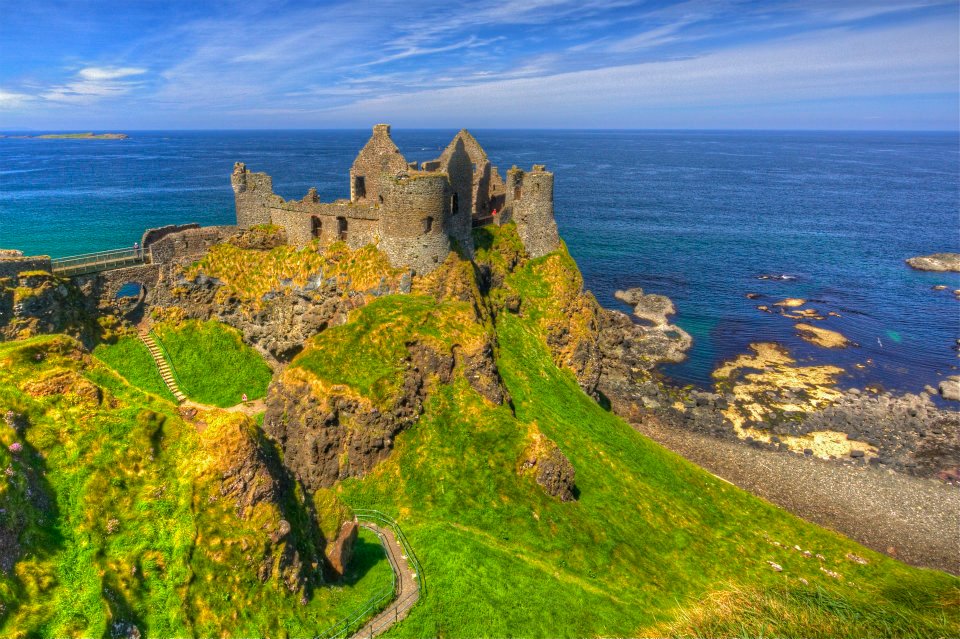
(36, 520)
(366, 555)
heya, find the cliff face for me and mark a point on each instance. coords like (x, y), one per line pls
(36, 303)
(336, 411)
(148, 498)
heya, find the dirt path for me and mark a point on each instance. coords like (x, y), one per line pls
(250, 408)
(914, 520)
(408, 589)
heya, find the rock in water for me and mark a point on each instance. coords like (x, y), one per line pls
(936, 262)
(647, 306)
(341, 550)
(950, 388)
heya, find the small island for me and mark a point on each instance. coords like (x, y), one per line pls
(73, 136)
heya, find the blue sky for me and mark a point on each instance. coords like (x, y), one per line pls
(795, 64)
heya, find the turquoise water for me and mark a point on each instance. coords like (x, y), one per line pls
(697, 216)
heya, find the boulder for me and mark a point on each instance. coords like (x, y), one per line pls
(939, 262)
(556, 476)
(950, 388)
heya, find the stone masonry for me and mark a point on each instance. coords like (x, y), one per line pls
(415, 216)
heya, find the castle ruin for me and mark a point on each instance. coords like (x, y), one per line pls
(415, 215)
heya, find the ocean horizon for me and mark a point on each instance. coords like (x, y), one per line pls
(697, 215)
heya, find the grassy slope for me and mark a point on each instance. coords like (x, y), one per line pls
(118, 511)
(212, 363)
(130, 357)
(650, 540)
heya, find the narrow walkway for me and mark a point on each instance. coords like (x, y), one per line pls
(162, 364)
(408, 589)
(912, 519)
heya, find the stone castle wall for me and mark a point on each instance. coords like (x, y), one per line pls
(459, 170)
(327, 222)
(413, 227)
(189, 244)
(151, 236)
(253, 194)
(379, 156)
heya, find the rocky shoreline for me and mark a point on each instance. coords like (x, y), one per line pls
(937, 262)
(774, 404)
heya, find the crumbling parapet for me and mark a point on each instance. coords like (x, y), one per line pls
(253, 194)
(379, 157)
(13, 262)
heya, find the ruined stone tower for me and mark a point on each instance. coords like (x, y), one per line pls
(529, 203)
(253, 194)
(416, 217)
(414, 225)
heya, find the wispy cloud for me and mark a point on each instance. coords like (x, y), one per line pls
(95, 83)
(11, 100)
(832, 64)
(257, 63)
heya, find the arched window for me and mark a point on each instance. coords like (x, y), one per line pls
(455, 204)
(316, 226)
(359, 187)
(342, 228)
(427, 224)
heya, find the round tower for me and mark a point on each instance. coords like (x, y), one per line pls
(413, 222)
(531, 198)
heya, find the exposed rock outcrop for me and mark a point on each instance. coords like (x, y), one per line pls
(340, 551)
(650, 307)
(939, 262)
(37, 302)
(550, 467)
(244, 474)
(280, 326)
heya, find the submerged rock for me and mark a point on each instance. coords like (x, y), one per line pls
(939, 262)
(822, 336)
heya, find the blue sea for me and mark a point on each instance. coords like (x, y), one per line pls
(697, 216)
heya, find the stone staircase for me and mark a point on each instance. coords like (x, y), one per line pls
(162, 364)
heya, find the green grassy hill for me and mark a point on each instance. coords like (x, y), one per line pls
(115, 508)
(654, 545)
(116, 504)
(211, 362)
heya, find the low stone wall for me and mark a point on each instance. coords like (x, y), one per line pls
(11, 266)
(192, 243)
(152, 236)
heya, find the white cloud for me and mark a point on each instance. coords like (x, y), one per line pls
(833, 64)
(11, 100)
(95, 83)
